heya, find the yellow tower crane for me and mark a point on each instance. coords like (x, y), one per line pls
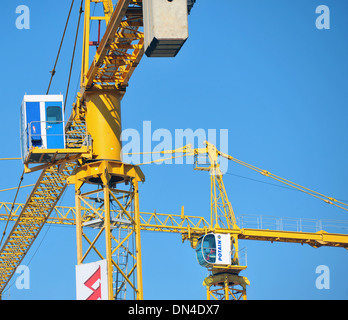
(92, 161)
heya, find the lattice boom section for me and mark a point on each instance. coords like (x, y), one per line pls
(124, 52)
(46, 193)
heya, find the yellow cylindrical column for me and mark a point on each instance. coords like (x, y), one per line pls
(103, 120)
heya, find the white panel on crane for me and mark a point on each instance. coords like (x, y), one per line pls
(92, 281)
(165, 27)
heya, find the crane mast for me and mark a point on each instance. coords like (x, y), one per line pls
(105, 175)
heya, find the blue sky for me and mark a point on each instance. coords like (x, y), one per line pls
(260, 69)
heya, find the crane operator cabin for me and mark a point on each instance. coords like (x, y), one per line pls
(42, 123)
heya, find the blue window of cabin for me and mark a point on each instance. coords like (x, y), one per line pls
(209, 248)
(53, 114)
(33, 124)
(206, 250)
(54, 125)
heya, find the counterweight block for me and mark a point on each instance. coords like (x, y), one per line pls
(165, 27)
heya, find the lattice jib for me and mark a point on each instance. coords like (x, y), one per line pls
(35, 212)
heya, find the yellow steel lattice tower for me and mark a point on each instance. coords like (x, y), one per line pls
(109, 182)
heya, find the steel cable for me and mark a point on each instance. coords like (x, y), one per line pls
(53, 72)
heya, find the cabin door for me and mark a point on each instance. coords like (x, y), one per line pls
(54, 125)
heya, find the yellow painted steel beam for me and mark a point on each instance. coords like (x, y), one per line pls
(226, 287)
(108, 9)
(120, 49)
(50, 157)
(191, 226)
(68, 151)
(32, 217)
(124, 220)
(96, 170)
(314, 239)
